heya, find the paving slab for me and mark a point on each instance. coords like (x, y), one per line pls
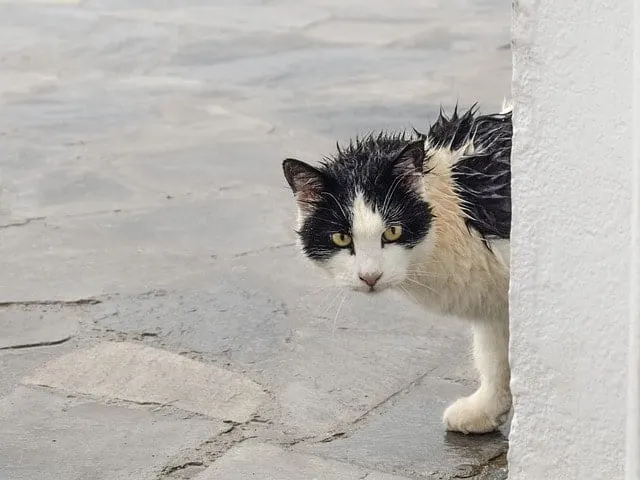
(166, 102)
(326, 358)
(54, 437)
(137, 251)
(141, 147)
(145, 375)
(408, 438)
(16, 364)
(23, 326)
(252, 460)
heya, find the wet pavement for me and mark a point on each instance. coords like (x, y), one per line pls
(156, 321)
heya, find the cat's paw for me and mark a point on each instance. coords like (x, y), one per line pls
(476, 414)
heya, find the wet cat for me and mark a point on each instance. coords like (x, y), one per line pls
(428, 215)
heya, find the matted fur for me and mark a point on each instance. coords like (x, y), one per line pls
(449, 191)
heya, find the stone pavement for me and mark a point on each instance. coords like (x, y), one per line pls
(156, 321)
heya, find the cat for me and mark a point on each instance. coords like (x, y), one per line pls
(428, 215)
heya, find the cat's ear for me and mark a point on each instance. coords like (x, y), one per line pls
(306, 182)
(411, 158)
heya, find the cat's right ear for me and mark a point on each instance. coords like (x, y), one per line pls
(306, 182)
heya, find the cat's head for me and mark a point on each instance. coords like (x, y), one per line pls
(362, 214)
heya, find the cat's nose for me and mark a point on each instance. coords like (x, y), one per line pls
(370, 278)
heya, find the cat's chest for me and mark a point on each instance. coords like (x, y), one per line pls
(474, 285)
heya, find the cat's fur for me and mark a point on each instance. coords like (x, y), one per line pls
(449, 191)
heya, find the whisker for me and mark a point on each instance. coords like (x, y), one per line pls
(417, 276)
(315, 292)
(346, 217)
(408, 293)
(329, 305)
(421, 285)
(392, 190)
(335, 319)
(426, 273)
(387, 196)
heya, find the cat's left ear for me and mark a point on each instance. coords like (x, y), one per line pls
(306, 182)
(411, 158)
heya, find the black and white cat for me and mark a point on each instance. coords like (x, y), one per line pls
(429, 216)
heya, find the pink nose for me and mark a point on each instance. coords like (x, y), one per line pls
(370, 278)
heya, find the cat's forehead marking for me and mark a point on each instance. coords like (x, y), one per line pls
(367, 222)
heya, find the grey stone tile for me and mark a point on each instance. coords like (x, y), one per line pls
(47, 436)
(270, 317)
(145, 375)
(22, 326)
(407, 437)
(141, 249)
(16, 364)
(253, 460)
(149, 133)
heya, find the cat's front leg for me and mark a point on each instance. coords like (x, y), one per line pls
(488, 407)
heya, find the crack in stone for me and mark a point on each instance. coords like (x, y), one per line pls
(485, 470)
(333, 437)
(64, 303)
(352, 426)
(37, 344)
(266, 249)
(492, 465)
(347, 430)
(22, 223)
(214, 448)
(168, 470)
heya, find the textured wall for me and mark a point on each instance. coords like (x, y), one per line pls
(572, 237)
(633, 398)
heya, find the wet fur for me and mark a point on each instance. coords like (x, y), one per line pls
(456, 191)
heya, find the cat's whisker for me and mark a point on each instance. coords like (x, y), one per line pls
(335, 318)
(391, 191)
(320, 290)
(409, 294)
(317, 303)
(420, 269)
(424, 273)
(326, 302)
(394, 188)
(330, 195)
(427, 271)
(434, 261)
(427, 276)
(334, 300)
(428, 287)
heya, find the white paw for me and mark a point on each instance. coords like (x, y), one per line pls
(477, 413)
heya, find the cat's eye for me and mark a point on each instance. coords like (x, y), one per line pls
(342, 240)
(392, 233)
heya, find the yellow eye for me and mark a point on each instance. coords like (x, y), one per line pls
(342, 240)
(392, 234)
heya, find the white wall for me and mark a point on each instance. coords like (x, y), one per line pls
(633, 398)
(572, 240)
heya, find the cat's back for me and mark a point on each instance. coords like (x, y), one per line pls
(467, 184)
(478, 167)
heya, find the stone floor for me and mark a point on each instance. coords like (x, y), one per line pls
(156, 321)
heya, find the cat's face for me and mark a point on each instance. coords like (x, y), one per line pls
(362, 214)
